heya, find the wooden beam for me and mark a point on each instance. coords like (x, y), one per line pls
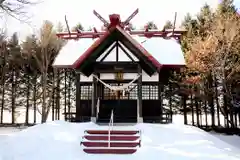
(160, 90)
(78, 99)
(124, 50)
(117, 51)
(113, 67)
(108, 52)
(94, 94)
(140, 92)
(114, 81)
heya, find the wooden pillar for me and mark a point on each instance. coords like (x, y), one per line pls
(139, 105)
(160, 90)
(78, 98)
(94, 99)
(98, 94)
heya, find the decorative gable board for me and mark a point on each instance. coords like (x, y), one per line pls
(122, 57)
(104, 53)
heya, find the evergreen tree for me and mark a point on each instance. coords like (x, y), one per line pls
(226, 6)
(151, 25)
(168, 25)
(78, 26)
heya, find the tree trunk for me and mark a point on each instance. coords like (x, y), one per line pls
(65, 94)
(3, 93)
(184, 104)
(227, 96)
(170, 101)
(217, 99)
(44, 97)
(13, 96)
(53, 97)
(69, 95)
(210, 97)
(225, 110)
(27, 105)
(58, 94)
(3, 80)
(196, 103)
(192, 107)
(34, 98)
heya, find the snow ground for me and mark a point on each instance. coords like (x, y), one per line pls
(60, 140)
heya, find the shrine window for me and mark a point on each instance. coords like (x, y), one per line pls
(153, 92)
(108, 94)
(133, 93)
(150, 92)
(145, 92)
(86, 92)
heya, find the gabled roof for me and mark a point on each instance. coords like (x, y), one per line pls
(85, 62)
(153, 53)
(138, 47)
(168, 52)
(103, 40)
(72, 50)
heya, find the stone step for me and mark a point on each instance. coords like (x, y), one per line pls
(112, 144)
(112, 138)
(116, 132)
(110, 150)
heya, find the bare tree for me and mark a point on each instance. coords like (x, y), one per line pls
(16, 8)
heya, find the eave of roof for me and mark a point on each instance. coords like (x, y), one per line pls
(88, 52)
(71, 51)
(167, 52)
(157, 51)
(149, 64)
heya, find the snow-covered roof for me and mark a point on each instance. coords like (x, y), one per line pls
(166, 52)
(72, 51)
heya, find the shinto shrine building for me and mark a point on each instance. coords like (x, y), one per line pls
(120, 71)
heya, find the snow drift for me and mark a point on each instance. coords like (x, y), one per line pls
(60, 140)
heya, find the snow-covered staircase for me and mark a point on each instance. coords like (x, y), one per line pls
(111, 142)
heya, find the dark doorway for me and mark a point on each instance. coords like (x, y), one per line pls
(152, 111)
(125, 111)
(124, 106)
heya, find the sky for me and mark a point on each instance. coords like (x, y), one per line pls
(77, 11)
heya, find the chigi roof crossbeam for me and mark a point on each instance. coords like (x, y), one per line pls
(115, 20)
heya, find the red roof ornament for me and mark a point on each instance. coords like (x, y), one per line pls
(115, 20)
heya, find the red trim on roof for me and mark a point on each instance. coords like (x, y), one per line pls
(140, 47)
(155, 62)
(88, 52)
